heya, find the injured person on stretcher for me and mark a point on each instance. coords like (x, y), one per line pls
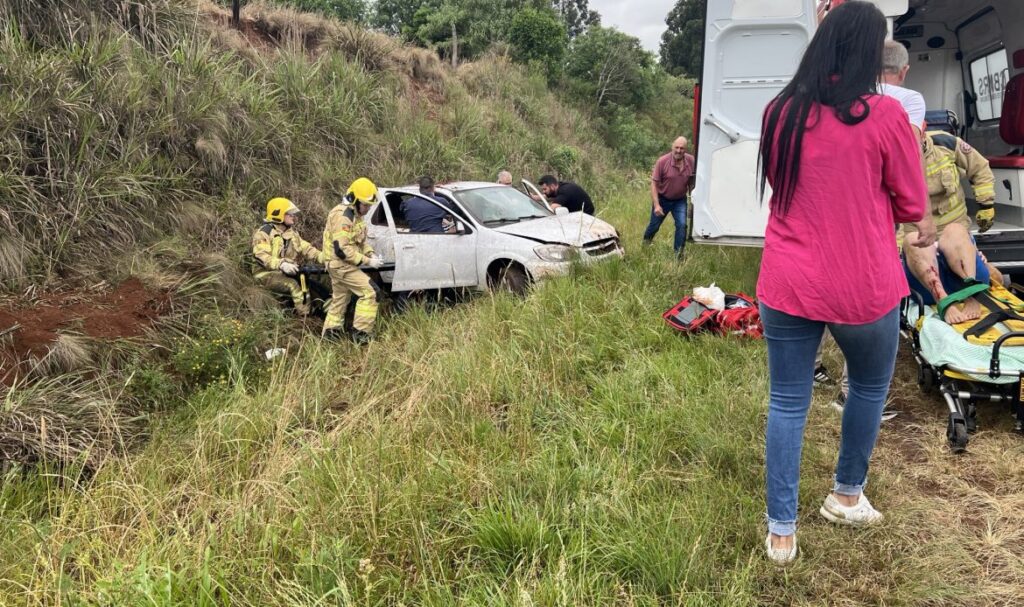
(949, 273)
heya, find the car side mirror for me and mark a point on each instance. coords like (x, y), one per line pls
(561, 211)
(460, 228)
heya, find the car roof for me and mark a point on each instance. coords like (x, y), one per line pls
(455, 186)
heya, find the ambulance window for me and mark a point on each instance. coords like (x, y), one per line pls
(989, 76)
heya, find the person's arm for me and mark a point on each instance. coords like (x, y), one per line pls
(366, 249)
(982, 181)
(655, 205)
(262, 249)
(978, 172)
(655, 180)
(902, 173)
(307, 250)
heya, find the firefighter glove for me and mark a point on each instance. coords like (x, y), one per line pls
(985, 216)
(289, 268)
(374, 262)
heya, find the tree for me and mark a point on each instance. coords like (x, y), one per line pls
(611, 68)
(538, 35)
(396, 16)
(577, 15)
(683, 41)
(461, 28)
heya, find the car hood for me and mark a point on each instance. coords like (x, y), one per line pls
(576, 229)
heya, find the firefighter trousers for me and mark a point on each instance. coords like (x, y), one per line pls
(348, 280)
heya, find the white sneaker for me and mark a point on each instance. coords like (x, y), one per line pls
(780, 556)
(860, 514)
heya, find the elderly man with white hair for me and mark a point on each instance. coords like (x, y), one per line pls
(505, 178)
(671, 181)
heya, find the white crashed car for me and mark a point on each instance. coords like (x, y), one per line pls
(503, 239)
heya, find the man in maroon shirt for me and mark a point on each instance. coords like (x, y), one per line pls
(671, 181)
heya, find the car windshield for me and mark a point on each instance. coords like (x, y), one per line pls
(501, 204)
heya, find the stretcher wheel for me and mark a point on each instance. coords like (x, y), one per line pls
(957, 434)
(926, 378)
(972, 418)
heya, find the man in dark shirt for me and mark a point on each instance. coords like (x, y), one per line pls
(565, 194)
(422, 216)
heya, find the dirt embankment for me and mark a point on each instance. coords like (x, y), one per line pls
(28, 329)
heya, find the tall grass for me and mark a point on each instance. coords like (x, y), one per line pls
(562, 449)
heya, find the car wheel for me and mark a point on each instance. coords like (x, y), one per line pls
(511, 279)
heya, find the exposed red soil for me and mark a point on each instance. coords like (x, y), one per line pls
(123, 312)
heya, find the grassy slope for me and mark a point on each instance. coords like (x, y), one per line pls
(170, 127)
(565, 449)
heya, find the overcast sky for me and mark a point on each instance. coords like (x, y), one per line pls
(644, 19)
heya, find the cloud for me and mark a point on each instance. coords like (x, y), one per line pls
(644, 19)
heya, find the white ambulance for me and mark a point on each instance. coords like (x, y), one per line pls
(965, 55)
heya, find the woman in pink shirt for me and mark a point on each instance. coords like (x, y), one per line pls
(844, 167)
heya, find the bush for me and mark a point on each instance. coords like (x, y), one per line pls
(219, 350)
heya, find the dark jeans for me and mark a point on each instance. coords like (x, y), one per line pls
(870, 352)
(676, 208)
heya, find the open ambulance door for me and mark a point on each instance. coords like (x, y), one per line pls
(751, 51)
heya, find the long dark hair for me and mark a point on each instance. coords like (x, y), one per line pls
(841, 65)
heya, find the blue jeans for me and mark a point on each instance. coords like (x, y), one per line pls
(676, 208)
(870, 352)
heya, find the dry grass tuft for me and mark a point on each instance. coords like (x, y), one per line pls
(63, 421)
(422, 65)
(69, 353)
(13, 257)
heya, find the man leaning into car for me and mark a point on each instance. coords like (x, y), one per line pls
(423, 216)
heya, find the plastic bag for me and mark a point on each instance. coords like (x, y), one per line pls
(712, 297)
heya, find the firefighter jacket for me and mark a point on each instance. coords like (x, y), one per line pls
(345, 237)
(946, 159)
(275, 242)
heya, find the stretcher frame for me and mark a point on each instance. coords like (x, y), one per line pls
(960, 388)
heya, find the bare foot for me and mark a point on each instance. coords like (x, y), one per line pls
(782, 542)
(970, 309)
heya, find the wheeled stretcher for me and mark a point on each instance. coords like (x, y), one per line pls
(974, 362)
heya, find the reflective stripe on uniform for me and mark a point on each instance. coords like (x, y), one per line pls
(332, 321)
(959, 210)
(366, 306)
(985, 189)
(947, 162)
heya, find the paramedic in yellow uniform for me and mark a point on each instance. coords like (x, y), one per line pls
(944, 274)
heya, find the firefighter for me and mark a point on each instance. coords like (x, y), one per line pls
(279, 251)
(944, 277)
(345, 249)
(945, 157)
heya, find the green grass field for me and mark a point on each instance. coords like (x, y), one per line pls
(562, 449)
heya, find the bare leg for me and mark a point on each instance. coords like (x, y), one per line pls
(961, 254)
(924, 266)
